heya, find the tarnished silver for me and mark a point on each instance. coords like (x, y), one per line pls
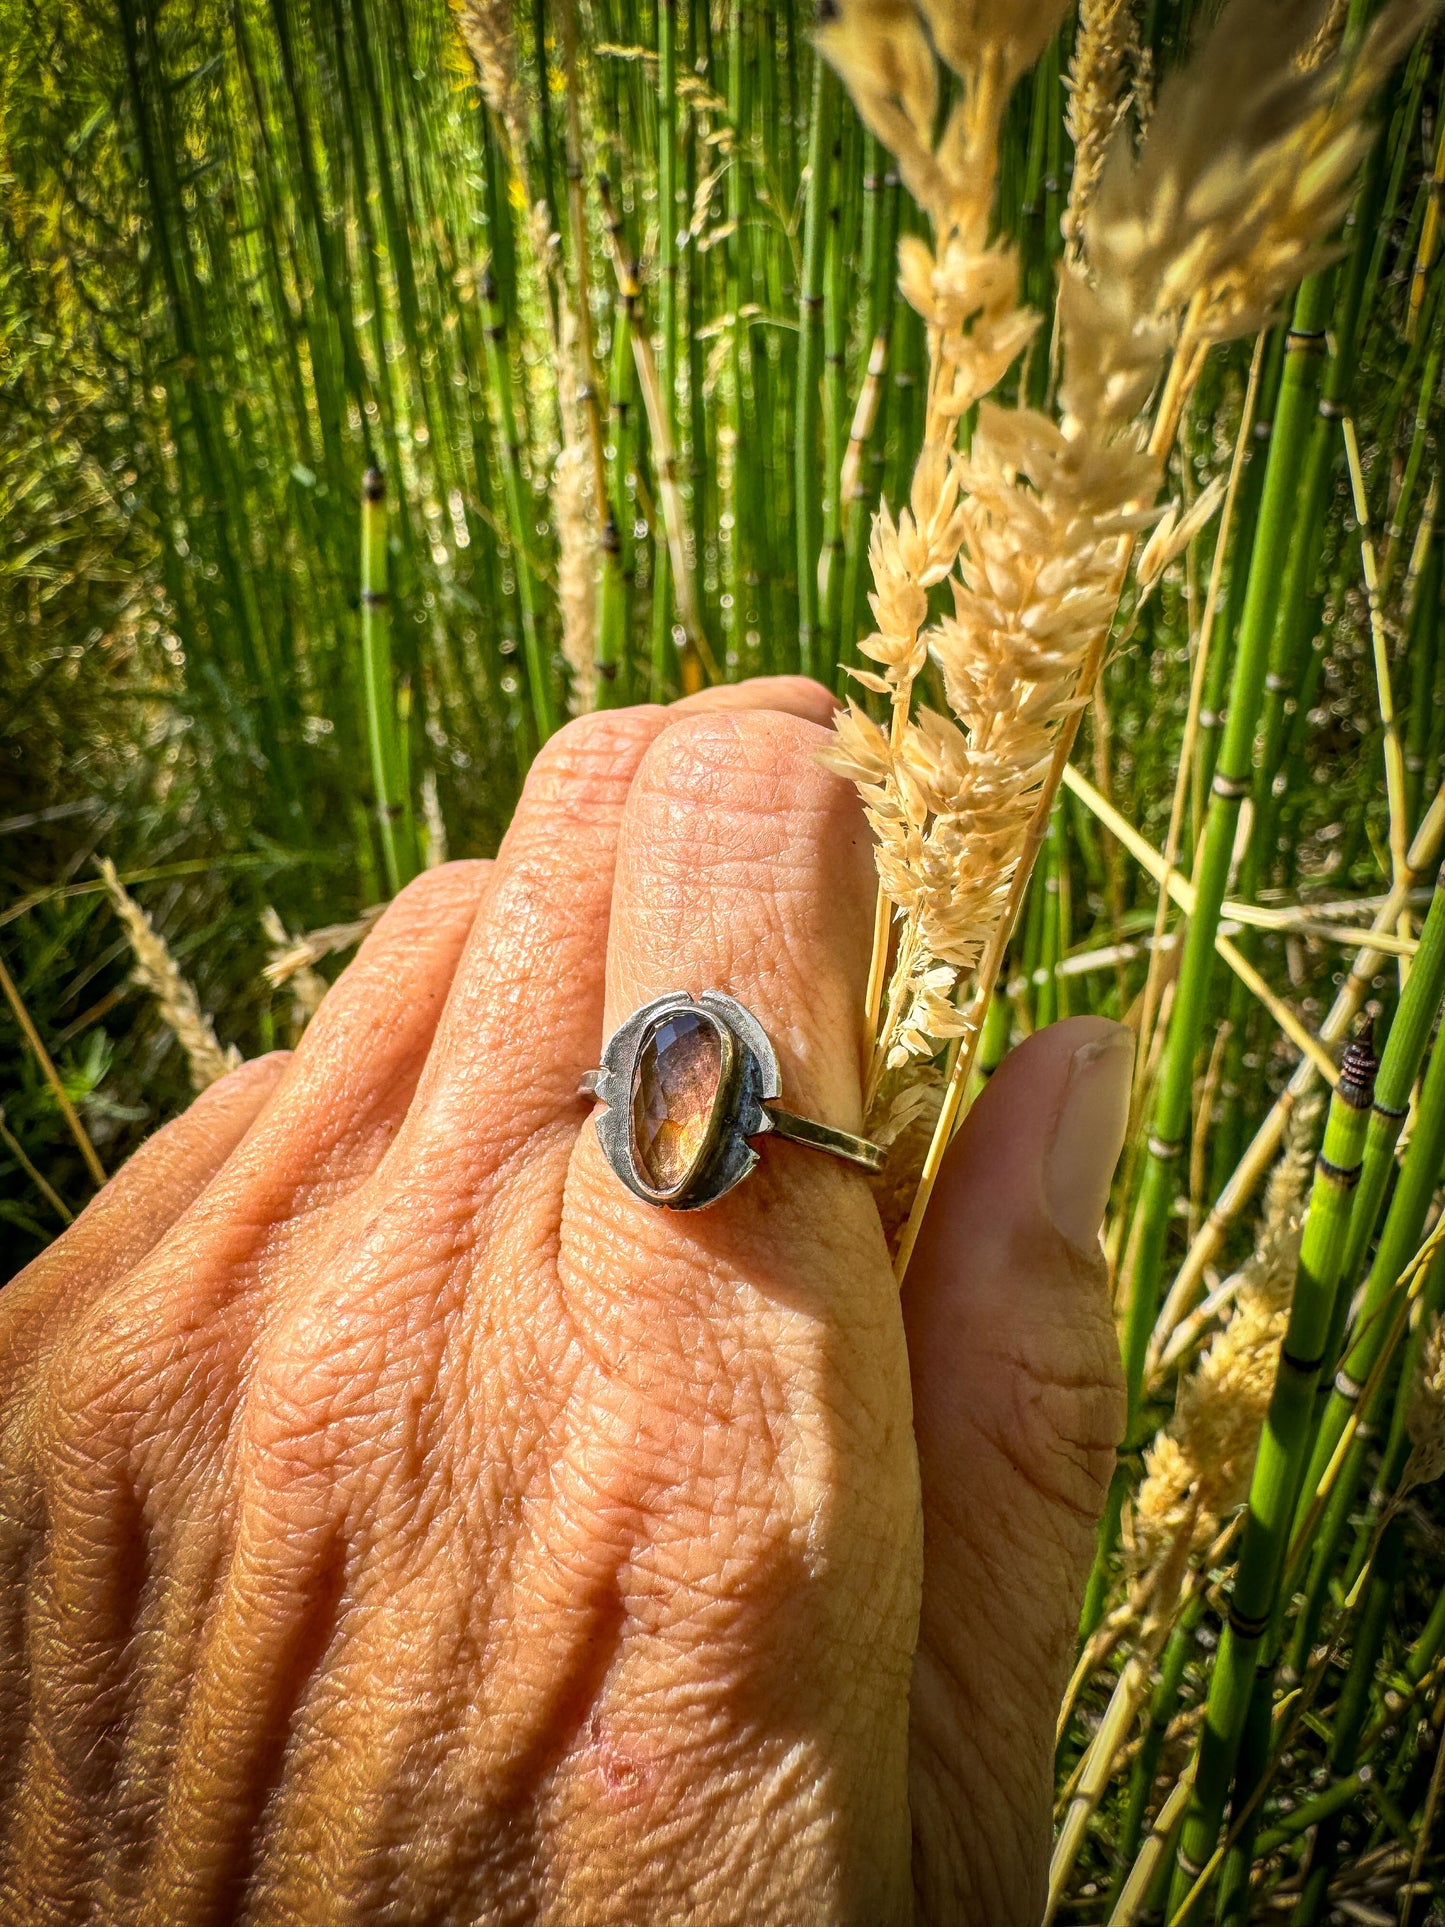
(745, 1107)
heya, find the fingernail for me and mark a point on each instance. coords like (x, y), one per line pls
(1088, 1137)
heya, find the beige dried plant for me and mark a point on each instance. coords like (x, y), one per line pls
(967, 291)
(156, 970)
(1194, 237)
(290, 956)
(1100, 87)
(487, 29)
(1197, 1470)
(575, 517)
(290, 962)
(1425, 1420)
(1247, 168)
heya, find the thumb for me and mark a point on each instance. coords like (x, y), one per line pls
(1018, 1408)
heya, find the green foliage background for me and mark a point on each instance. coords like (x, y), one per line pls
(244, 253)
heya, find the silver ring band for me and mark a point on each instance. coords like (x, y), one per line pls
(688, 1083)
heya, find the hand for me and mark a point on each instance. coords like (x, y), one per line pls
(401, 1522)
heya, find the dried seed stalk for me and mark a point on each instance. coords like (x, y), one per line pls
(157, 971)
(967, 291)
(1194, 239)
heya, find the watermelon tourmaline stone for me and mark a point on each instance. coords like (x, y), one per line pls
(674, 1089)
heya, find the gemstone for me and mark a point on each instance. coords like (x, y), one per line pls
(674, 1089)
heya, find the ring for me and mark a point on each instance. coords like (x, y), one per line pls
(687, 1082)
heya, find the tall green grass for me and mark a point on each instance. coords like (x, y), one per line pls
(252, 251)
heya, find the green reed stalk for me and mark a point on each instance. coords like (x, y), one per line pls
(1425, 409)
(1430, 1644)
(1232, 782)
(806, 500)
(614, 681)
(581, 261)
(738, 539)
(1374, 1330)
(1400, 1063)
(1291, 631)
(1246, 522)
(1279, 1465)
(1313, 1812)
(835, 418)
(1386, 1494)
(1253, 1764)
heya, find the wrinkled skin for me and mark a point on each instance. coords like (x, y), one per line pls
(400, 1522)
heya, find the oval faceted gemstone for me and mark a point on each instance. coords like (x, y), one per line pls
(674, 1089)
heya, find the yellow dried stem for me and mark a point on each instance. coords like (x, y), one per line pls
(1380, 648)
(32, 1171)
(51, 1075)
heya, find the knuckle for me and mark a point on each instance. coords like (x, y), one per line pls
(88, 1391)
(598, 749)
(255, 1074)
(434, 893)
(801, 695)
(339, 1384)
(759, 766)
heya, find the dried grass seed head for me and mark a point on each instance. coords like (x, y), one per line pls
(1099, 88)
(157, 971)
(1247, 167)
(487, 29)
(1425, 1418)
(1199, 1467)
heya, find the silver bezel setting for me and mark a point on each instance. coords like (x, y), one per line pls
(750, 1079)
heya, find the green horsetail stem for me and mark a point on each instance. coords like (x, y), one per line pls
(1232, 782)
(1400, 1063)
(1291, 631)
(807, 508)
(1425, 407)
(1283, 1447)
(835, 413)
(1246, 522)
(1422, 653)
(1311, 1813)
(1252, 1767)
(1376, 1325)
(388, 757)
(615, 621)
(1430, 1644)
(1351, 1711)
